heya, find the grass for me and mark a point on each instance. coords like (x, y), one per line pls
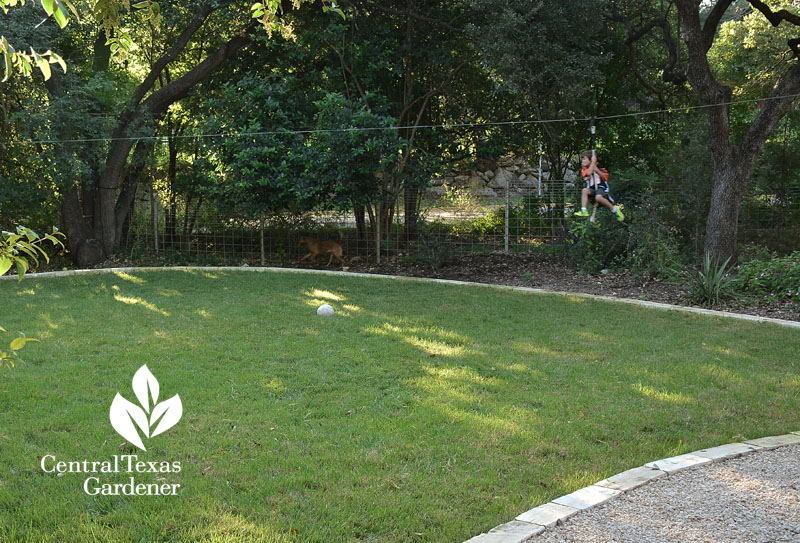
(421, 412)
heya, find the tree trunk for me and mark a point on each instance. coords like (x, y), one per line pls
(723, 216)
(154, 107)
(733, 164)
(361, 226)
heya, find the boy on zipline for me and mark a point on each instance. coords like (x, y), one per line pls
(596, 179)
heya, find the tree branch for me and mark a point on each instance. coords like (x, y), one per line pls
(172, 54)
(776, 18)
(711, 24)
(669, 74)
(160, 100)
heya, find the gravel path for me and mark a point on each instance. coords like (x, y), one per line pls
(754, 499)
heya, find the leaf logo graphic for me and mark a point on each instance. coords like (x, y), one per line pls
(126, 417)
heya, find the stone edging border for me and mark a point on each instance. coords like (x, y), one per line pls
(535, 521)
(642, 303)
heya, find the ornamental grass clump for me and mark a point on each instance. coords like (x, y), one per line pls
(711, 284)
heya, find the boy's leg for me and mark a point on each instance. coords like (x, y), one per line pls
(614, 209)
(584, 202)
(602, 201)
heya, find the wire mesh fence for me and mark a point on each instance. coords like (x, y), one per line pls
(453, 220)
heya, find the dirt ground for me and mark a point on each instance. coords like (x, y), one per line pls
(552, 274)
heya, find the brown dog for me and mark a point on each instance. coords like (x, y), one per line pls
(318, 247)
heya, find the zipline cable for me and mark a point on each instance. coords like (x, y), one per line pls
(487, 124)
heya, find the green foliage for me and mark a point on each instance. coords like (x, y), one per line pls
(770, 276)
(433, 249)
(17, 249)
(8, 358)
(592, 247)
(711, 284)
(749, 51)
(348, 165)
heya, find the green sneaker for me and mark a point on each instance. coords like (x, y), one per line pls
(620, 216)
(582, 213)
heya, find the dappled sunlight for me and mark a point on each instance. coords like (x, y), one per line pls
(590, 336)
(26, 292)
(756, 489)
(200, 273)
(529, 348)
(167, 292)
(229, 526)
(488, 421)
(714, 370)
(453, 382)
(48, 320)
(460, 394)
(718, 349)
(414, 335)
(324, 294)
(521, 368)
(133, 300)
(203, 313)
(274, 385)
(662, 395)
(352, 308)
(129, 277)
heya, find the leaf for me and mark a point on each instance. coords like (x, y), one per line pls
(48, 6)
(22, 267)
(172, 410)
(61, 17)
(144, 381)
(141, 5)
(71, 7)
(44, 66)
(123, 414)
(20, 342)
(6, 59)
(5, 264)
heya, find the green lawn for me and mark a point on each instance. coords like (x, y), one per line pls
(421, 412)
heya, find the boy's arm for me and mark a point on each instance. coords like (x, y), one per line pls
(593, 164)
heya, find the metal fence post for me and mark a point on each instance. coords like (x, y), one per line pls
(378, 230)
(508, 192)
(540, 169)
(154, 211)
(263, 256)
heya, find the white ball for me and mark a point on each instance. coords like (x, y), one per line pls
(325, 310)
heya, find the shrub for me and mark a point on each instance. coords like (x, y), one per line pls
(433, 249)
(653, 249)
(770, 275)
(594, 246)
